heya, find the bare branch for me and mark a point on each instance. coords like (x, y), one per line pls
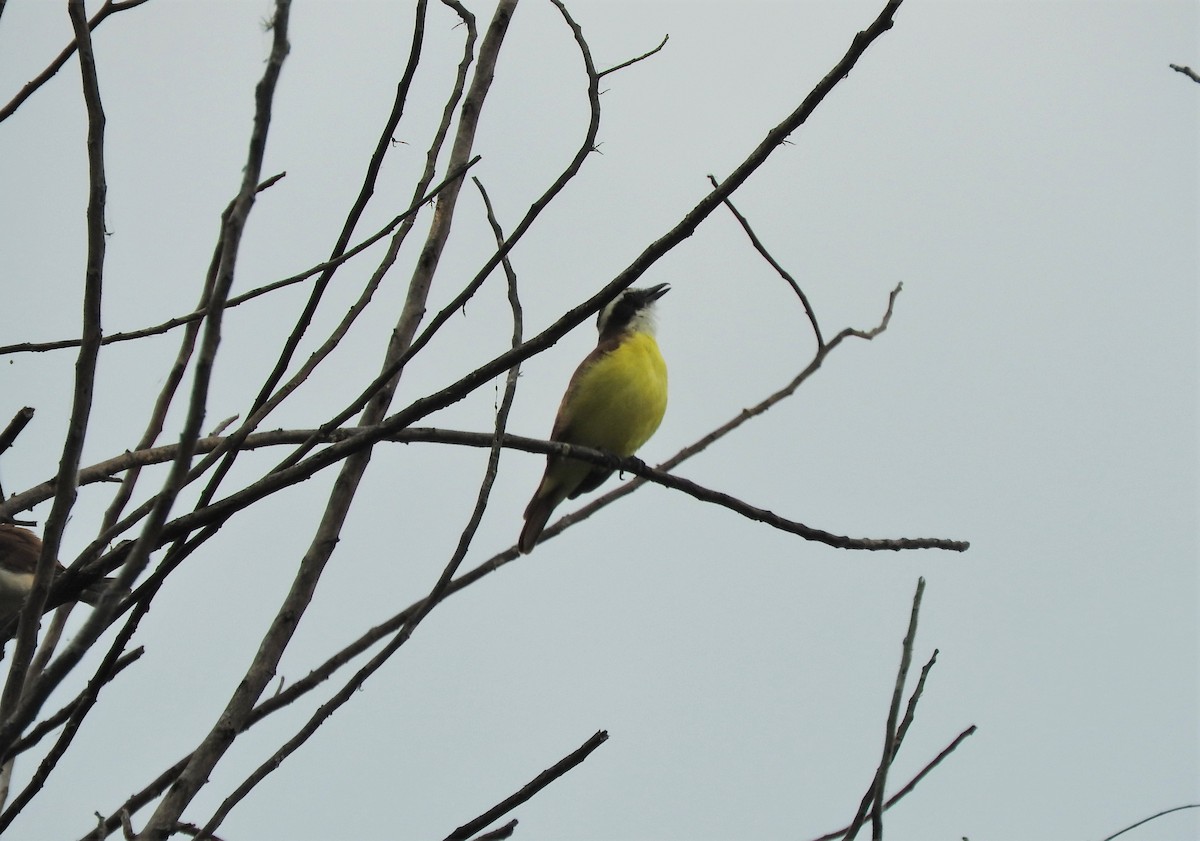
(435, 323)
(74, 715)
(1191, 74)
(434, 596)
(499, 832)
(635, 60)
(634, 465)
(139, 554)
(890, 745)
(910, 785)
(640, 468)
(172, 805)
(873, 801)
(15, 687)
(531, 788)
(237, 300)
(874, 796)
(52, 722)
(109, 7)
(279, 634)
(1157, 814)
(911, 711)
(20, 420)
(270, 394)
(761, 249)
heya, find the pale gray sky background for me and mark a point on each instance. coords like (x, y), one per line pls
(1028, 170)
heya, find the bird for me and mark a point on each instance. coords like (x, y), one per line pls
(614, 402)
(19, 552)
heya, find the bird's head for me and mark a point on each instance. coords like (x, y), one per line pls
(631, 312)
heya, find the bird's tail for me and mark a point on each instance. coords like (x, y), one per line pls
(536, 516)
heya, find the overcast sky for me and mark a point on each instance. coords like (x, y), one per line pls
(1029, 172)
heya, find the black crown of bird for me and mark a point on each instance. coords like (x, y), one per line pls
(19, 553)
(615, 401)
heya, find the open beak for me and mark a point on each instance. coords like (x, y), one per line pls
(653, 293)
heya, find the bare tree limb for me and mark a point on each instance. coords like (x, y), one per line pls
(15, 687)
(434, 596)
(571, 170)
(270, 394)
(234, 224)
(279, 634)
(109, 7)
(531, 788)
(911, 711)
(910, 785)
(761, 249)
(1195, 77)
(75, 713)
(1155, 815)
(499, 832)
(55, 720)
(167, 814)
(634, 60)
(874, 795)
(890, 745)
(237, 300)
(20, 420)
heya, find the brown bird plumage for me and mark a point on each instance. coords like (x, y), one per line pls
(19, 552)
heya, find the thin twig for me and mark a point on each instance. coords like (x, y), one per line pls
(271, 394)
(1157, 814)
(315, 559)
(15, 688)
(55, 720)
(77, 710)
(455, 305)
(435, 594)
(499, 832)
(761, 249)
(171, 807)
(911, 710)
(19, 421)
(150, 537)
(634, 60)
(109, 7)
(910, 785)
(531, 788)
(890, 745)
(1195, 77)
(873, 800)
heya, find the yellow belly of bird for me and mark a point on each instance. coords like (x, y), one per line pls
(620, 401)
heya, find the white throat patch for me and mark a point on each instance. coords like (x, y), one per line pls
(643, 321)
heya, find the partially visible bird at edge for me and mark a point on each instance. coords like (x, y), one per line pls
(19, 552)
